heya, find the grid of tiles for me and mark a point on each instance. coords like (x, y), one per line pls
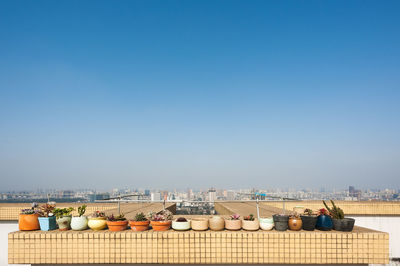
(198, 247)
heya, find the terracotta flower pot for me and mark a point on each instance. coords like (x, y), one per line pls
(79, 223)
(266, 223)
(217, 223)
(64, 222)
(199, 224)
(97, 223)
(115, 226)
(233, 225)
(160, 225)
(139, 225)
(28, 222)
(251, 225)
(295, 223)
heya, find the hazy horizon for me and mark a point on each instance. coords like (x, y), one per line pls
(184, 94)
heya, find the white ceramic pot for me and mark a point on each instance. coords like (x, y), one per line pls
(79, 223)
(181, 226)
(266, 223)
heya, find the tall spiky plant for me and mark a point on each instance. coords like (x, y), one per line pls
(336, 212)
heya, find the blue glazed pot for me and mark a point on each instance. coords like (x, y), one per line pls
(47, 223)
(324, 223)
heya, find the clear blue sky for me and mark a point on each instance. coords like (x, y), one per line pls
(167, 94)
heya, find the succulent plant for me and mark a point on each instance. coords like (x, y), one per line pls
(164, 215)
(113, 218)
(336, 212)
(81, 210)
(60, 212)
(234, 217)
(249, 218)
(308, 212)
(98, 214)
(140, 217)
(47, 210)
(28, 211)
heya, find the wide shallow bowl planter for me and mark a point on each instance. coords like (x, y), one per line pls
(266, 223)
(64, 222)
(345, 224)
(233, 225)
(217, 223)
(295, 223)
(199, 224)
(160, 225)
(79, 223)
(47, 223)
(181, 226)
(139, 225)
(281, 222)
(97, 223)
(309, 222)
(28, 222)
(251, 225)
(324, 223)
(115, 226)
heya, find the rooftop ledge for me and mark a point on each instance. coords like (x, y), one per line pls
(361, 246)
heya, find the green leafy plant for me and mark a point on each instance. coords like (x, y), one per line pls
(140, 217)
(336, 212)
(60, 212)
(117, 218)
(308, 212)
(82, 210)
(249, 218)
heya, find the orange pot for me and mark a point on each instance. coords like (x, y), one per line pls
(139, 225)
(117, 225)
(160, 225)
(28, 222)
(295, 223)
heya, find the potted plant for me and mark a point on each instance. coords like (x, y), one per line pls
(324, 220)
(281, 222)
(47, 220)
(250, 223)
(340, 223)
(97, 221)
(309, 220)
(63, 218)
(80, 222)
(266, 223)
(117, 223)
(295, 222)
(28, 219)
(181, 224)
(217, 223)
(140, 222)
(199, 224)
(233, 223)
(161, 221)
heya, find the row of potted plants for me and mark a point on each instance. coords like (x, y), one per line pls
(47, 217)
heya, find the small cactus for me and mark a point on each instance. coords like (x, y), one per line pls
(335, 212)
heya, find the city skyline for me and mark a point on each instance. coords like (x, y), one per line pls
(201, 94)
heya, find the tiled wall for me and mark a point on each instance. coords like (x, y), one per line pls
(358, 247)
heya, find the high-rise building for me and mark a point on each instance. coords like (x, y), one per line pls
(155, 196)
(212, 194)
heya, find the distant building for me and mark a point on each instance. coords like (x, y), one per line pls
(230, 195)
(147, 192)
(155, 196)
(212, 194)
(98, 196)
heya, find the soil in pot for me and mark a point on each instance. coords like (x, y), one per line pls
(233, 225)
(64, 222)
(281, 222)
(47, 223)
(251, 225)
(79, 223)
(161, 225)
(139, 225)
(217, 223)
(344, 225)
(324, 223)
(295, 223)
(28, 222)
(97, 223)
(309, 222)
(115, 226)
(199, 224)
